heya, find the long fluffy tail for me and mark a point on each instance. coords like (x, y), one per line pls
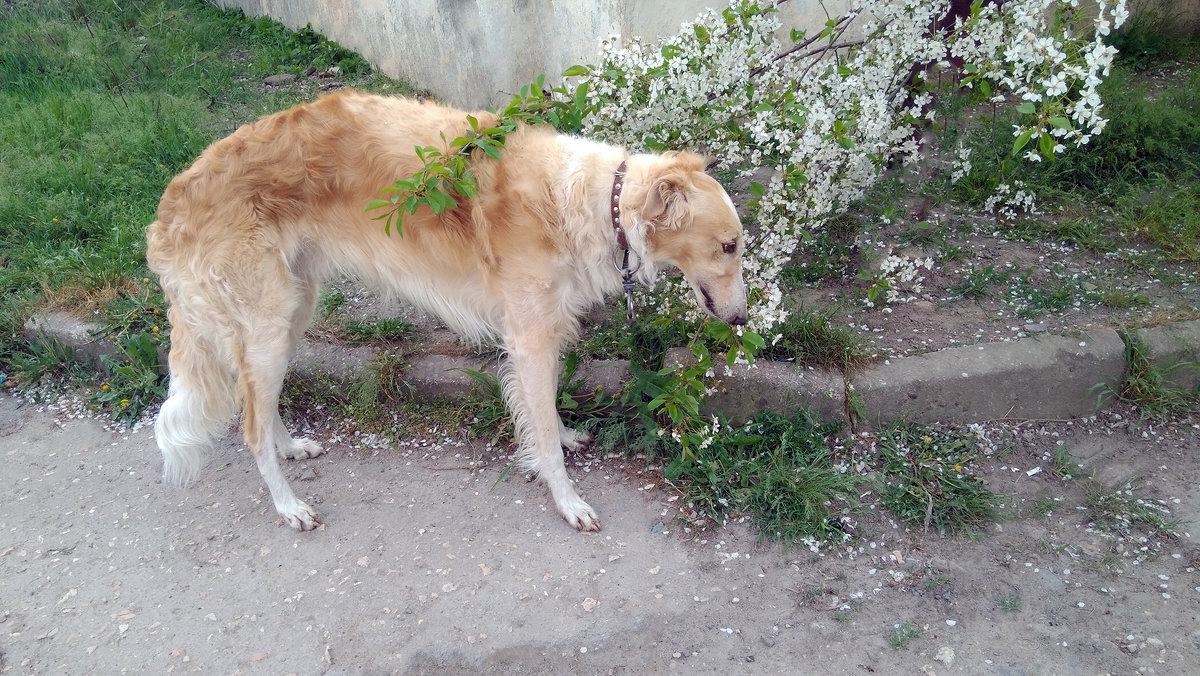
(202, 397)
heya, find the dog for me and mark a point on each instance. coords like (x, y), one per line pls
(246, 236)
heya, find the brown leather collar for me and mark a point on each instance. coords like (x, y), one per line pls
(618, 183)
(623, 268)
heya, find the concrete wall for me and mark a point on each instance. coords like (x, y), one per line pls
(477, 53)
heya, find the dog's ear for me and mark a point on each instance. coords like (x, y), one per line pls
(667, 204)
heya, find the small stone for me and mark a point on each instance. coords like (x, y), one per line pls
(280, 79)
(1155, 644)
(308, 474)
(1036, 328)
(1051, 583)
(945, 655)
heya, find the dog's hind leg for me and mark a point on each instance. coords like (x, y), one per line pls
(529, 388)
(298, 448)
(572, 439)
(264, 342)
(261, 379)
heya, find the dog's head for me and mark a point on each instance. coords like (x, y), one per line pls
(689, 221)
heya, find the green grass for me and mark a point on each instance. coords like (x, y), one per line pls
(1108, 294)
(1167, 218)
(831, 254)
(784, 472)
(1010, 602)
(1043, 506)
(1144, 384)
(1152, 36)
(1138, 183)
(101, 104)
(1085, 232)
(781, 470)
(1065, 467)
(977, 285)
(903, 634)
(1123, 508)
(378, 329)
(927, 479)
(810, 337)
(1030, 299)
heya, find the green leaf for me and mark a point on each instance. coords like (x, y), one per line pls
(1060, 122)
(489, 148)
(1027, 108)
(378, 204)
(1021, 141)
(675, 468)
(567, 403)
(702, 34)
(575, 71)
(581, 97)
(1046, 145)
(754, 339)
(465, 187)
(757, 189)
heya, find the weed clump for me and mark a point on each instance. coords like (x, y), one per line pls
(927, 479)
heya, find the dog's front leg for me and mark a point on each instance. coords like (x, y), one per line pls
(530, 390)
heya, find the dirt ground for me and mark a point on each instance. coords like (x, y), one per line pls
(429, 564)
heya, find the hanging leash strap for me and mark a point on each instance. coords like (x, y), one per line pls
(626, 272)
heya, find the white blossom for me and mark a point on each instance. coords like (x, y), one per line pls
(829, 121)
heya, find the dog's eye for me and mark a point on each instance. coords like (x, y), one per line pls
(729, 247)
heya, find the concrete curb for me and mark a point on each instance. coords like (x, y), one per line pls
(1042, 377)
(1175, 344)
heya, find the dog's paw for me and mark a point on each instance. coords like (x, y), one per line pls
(574, 440)
(300, 516)
(301, 448)
(580, 515)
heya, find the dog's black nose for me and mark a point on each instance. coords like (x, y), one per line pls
(738, 320)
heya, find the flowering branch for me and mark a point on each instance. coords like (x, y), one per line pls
(829, 127)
